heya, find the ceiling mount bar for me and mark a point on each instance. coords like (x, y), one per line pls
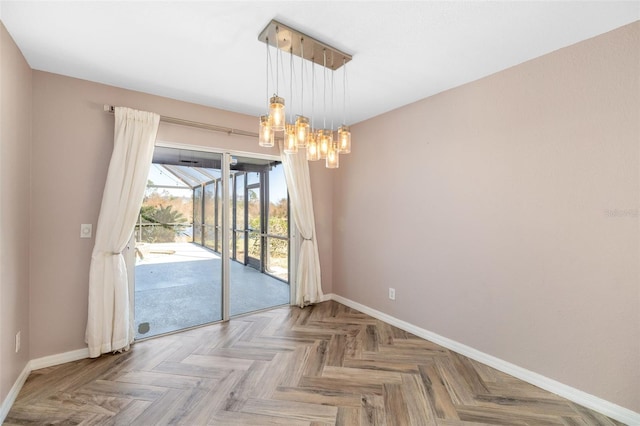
(215, 128)
(290, 40)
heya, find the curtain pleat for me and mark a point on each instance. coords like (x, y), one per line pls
(109, 323)
(308, 285)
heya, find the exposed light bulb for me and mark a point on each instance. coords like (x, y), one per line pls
(266, 136)
(302, 131)
(313, 154)
(277, 113)
(290, 139)
(333, 158)
(344, 140)
(325, 139)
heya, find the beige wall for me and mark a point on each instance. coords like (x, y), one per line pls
(72, 143)
(15, 145)
(505, 214)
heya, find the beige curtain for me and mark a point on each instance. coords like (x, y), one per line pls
(109, 322)
(308, 285)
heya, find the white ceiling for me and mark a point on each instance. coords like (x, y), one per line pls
(207, 52)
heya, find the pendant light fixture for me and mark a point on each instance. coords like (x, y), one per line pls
(276, 113)
(276, 103)
(266, 135)
(290, 139)
(333, 159)
(298, 133)
(326, 139)
(325, 136)
(290, 135)
(344, 134)
(302, 122)
(332, 156)
(313, 153)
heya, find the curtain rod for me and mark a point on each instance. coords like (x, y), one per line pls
(228, 130)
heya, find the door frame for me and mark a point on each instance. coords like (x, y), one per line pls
(227, 156)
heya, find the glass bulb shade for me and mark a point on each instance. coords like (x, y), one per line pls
(276, 113)
(302, 130)
(266, 136)
(290, 139)
(333, 158)
(344, 140)
(310, 135)
(325, 139)
(313, 154)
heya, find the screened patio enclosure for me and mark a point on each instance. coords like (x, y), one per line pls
(179, 240)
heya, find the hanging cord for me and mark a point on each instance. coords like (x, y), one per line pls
(283, 68)
(277, 64)
(291, 83)
(324, 88)
(344, 91)
(313, 93)
(267, 79)
(302, 77)
(332, 93)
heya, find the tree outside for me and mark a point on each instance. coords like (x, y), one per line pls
(165, 216)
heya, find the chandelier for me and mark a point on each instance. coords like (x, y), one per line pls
(297, 130)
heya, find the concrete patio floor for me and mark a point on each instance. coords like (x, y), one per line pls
(179, 285)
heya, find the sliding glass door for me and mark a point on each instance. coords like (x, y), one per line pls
(183, 277)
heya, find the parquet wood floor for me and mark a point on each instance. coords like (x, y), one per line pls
(322, 365)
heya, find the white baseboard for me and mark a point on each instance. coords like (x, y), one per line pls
(36, 364)
(572, 394)
(57, 359)
(13, 393)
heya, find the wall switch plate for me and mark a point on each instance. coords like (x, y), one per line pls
(392, 293)
(85, 230)
(18, 335)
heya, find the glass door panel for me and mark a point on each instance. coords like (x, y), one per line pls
(277, 246)
(178, 279)
(259, 276)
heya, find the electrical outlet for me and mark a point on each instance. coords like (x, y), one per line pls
(85, 230)
(18, 341)
(392, 293)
